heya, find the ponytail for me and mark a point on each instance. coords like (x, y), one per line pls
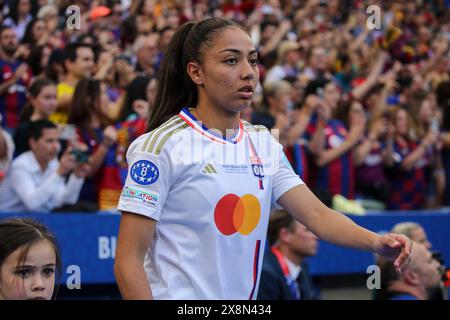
(175, 89)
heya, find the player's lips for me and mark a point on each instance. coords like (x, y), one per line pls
(38, 298)
(246, 92)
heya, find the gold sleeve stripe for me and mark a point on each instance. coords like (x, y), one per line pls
(156, 129)
(212, 168)
(168, 134)
(154, 135)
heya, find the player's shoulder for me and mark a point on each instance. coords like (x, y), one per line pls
(159, 138)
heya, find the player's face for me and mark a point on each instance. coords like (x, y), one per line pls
(229, 72)
(33, 278)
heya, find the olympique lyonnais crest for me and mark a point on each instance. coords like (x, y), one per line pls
(258, 169)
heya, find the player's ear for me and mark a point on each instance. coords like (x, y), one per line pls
(195, 73)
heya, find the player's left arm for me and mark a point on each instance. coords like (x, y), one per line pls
(336, 228)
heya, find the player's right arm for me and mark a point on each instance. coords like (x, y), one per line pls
(141, 202)
(135, 235)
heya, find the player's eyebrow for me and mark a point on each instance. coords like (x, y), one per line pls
(237, 51)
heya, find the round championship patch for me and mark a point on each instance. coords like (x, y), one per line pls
(144, 172)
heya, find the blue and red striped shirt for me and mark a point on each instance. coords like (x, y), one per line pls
(14, 99)
(408, 187)
(337, 177)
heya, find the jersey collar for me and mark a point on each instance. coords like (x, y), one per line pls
(198, 126)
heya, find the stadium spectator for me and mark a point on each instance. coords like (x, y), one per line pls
(370, 179)
(88, 113)
(49, 14)
(288, 62)
(443, 98)
(16, 75)
(146, 51)
(414, 231)
(140, 21)
(285, 273)
(35, 34)
(115, 20)
(297, 139)
(39, 59)
(277, 109)
(139, 98)
(6, 153)
(165, 34)
(134, 117)
(317, 66)
(416, 283)
(30, 262)
(106, 72)
(332, 144)
(19, 16)
(42, 103)
(406, 157)
(427, 118)
(37, 180)
(78, 64)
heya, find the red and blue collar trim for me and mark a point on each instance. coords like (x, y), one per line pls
(198, 126)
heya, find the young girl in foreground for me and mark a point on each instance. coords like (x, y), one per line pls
(29, 259)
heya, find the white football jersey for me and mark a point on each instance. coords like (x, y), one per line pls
(211, 199)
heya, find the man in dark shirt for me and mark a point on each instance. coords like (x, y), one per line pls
(285, 275)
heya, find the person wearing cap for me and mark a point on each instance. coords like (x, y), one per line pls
(288, 59)
(99, 12)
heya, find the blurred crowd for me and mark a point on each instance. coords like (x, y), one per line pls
(362, 112)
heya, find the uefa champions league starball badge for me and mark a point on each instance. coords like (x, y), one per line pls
(144, 172)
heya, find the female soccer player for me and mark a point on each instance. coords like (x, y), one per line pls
(196, 202)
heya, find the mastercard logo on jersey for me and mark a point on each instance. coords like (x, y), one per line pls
(237, 214)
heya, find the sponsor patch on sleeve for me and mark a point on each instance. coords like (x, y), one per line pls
(145, 197)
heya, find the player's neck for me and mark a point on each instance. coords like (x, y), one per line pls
(226, 122)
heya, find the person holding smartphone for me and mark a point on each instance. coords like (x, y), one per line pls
(37, 180)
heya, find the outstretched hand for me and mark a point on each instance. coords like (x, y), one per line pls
(397, 248)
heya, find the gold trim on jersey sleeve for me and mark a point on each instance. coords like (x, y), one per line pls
(155, 134)
(168, 134)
